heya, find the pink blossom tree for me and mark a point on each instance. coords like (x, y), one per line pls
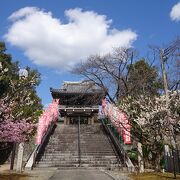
(20, 106)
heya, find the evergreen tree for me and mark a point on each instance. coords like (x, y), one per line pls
(143, 79)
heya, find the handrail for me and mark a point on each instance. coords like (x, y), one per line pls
(120, 150)
(31, 161)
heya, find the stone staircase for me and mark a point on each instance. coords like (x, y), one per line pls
(96, 148)
(61, 148)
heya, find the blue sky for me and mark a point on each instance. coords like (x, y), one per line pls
(52, 36)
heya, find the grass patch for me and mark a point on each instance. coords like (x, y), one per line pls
(153, 176)
(13, 176)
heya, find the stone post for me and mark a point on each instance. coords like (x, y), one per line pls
(140, 158)
(167, 155)
(13, 156)
(92, 120)
(20, 157)
(67, 120)
(166, 150)
(89, 120)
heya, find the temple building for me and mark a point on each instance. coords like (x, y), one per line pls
(79, 138)
(78, 101)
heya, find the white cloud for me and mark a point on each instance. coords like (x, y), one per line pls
(22, 13)
(47, 41)
(175, 12)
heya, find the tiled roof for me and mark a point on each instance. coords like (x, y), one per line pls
(77, 87)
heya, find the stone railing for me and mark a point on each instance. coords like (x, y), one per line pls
(32, 158)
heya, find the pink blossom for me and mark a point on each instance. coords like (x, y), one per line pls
(50, 115)
(118, 119)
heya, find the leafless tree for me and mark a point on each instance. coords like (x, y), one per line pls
(170, 56)
(109, 71)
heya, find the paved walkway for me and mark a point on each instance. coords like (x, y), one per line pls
(74, 174)
(70, 174)
(79, 174)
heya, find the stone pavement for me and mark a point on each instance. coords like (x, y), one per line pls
(80, 175)
(4, 167)
(70, 174)
(74, 174)
(41, 173)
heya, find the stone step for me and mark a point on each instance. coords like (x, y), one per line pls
(90, 136)
(62, 148)
(70, 166)
(76, 165)
(59, 144)
(91, 168)
(75, 160)
(75, 151)
(109, 156)
(57, 165)
(58, 153)
(52, 140)
(70, 155)
(82, 144)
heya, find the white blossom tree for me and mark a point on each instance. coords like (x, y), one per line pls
(152, 119)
